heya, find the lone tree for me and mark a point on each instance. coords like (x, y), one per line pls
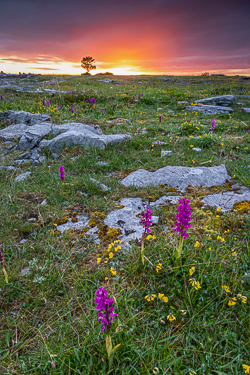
(88, 63)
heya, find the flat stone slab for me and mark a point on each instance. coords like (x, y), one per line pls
(8, 168)
(126, 220)
(22, 176)
(222, 100)
(227, 199)
(13, 132)
(84, 138)
(209, 109)
(23, 117)
(165, 200)
(178, 177)
(80, 224)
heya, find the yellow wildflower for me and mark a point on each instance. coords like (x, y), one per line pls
(244, 299)
(191, 271)
(226, 288)
(165, 299)
(232, 301)
(159, 267)
(197, 286)
(98, 260)
(110, 255)
(113, 271)
(246, 368)
(197, 244)
(171, 317)
(183, 312)
(160, 295)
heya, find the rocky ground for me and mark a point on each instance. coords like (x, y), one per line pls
(126, 143)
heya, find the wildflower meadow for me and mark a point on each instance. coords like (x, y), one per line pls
(78, 295)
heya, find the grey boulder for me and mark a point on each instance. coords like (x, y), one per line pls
(33, 135)
(178, 177)
(13, 132)
(222, 100)
(24, 117)
(227, 199)
(84, 138)
(209, 109)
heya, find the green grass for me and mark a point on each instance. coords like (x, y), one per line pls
(48, 317)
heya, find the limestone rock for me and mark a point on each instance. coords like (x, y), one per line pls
(196, 149)
(35, 154)
(8, 168)
(226, 200)
(80, 224)
(209, 109)
(179, 177)
(102, 186)
(25, 155)
(165, 200)
(166, 153)
(84, 138)
(247, 110)
(22, 117)
(13, 132)
(106, 80)
(222, 100)
(126, 220)
(22, 176)
(33, 135)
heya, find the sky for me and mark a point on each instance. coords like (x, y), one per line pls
(173, 37)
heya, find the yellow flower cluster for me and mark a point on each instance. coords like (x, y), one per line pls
(195, 283)
(220, 238)
(109, 252)
(191, 271)
(171, 317)
(151, 297)
(158, 267)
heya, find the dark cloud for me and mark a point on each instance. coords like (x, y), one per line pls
(162, 34)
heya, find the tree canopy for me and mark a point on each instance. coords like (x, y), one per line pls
(88, 63)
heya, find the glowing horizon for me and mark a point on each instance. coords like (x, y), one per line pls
(71, 68)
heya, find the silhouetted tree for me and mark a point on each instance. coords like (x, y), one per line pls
(205, 74)
(88, 63)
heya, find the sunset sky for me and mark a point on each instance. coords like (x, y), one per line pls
(125, 37)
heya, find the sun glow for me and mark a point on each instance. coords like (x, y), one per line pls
(12, 65)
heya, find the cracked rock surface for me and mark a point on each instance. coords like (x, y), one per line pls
(227, 199)
(178, 177)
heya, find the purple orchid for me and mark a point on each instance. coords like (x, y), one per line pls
(183, 218)
(160, 119)
(105, 308)
(61, 173)
(138, 130)
(146, 219)
(113, 106)
(1, 98)
(212, 126)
